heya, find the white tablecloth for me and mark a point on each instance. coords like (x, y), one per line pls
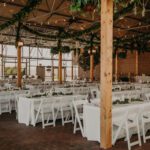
(91, 115)
(26, 107)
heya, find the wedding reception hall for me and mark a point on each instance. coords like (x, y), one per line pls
(74, 74)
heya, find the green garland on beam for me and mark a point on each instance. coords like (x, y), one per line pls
(84, 60)
(76, 35)
(26, 28)
(31, 4)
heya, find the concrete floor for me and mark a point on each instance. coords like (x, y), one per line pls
(14, 136)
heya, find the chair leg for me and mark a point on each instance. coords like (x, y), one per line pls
(75, 125)
(143, 131)
(62, 117)
(72, 116)
(9, 107)
(82, 132)
(117, 133)
(43, 126)
(138, 130)
(53, 115)
(128, 137)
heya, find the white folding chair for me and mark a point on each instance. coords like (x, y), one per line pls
(5, 102)
(78, 107)
(66, 109)
(118, 123)
(130, 120)
(95, 92)
(145, 117)
(46, 107)
(147, 95)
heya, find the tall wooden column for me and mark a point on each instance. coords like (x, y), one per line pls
(26, 67)
(52, 60)
(2, 62)
(136, 63)
(29, 61)
(106, 73)
(116, 67)
(91, 67)
(72, 72)
(19, 76)
(60, 68)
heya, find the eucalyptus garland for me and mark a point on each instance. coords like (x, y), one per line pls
(32, 31)
(76, 35)
(18, 33)
(63, 49)
(90, 5)
(84, 59)
(87, 5)
(31, 4)
(122, 55)
(60, 48)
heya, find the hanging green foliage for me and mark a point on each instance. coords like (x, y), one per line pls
(30, 5)
(76, 35)
(54, 50)
(90, 5)
(84, 59)
(86, 5)
(122, 55)
(63, 49)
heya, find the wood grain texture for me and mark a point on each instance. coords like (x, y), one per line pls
(60, 68)
(19, 76)
(91, 67)
(106, 73)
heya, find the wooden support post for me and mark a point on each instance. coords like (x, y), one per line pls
(116, 67)
(106, 73)
(91, 67)
(26, 67)
(136, 63)
(2, 62)
(60, 68)
(52, 57)
(19, 76)
(72, 67)
(29, 61)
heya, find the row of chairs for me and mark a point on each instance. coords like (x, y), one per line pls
(132, 121)
(49, 110)
(5, 102)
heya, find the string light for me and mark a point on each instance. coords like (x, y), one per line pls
(4, 4)
(135, 10)
(143, 12)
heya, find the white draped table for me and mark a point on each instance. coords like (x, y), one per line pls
(26, 106)
(91, 114)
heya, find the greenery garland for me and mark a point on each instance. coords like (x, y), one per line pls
(90, 5)
(84, 60)
(60, 48)
(28, 29)
(76, 35)
(63, 49)
(31, 4)
(18, 34)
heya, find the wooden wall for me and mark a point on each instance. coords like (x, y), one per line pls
(125, 66)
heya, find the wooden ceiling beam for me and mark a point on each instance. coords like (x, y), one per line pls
(138, 20)
(42, 10)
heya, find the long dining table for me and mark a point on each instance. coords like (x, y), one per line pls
(92, 124)
(26, 106)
